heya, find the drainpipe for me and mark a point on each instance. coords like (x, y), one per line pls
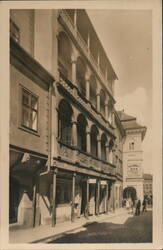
(49, 131)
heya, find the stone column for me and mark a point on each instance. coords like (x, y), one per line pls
(97, 196)
(73, 63)
(107, 197)
(107, 151)
(88, 139)
(87, 88)
(98, 101)
(87, 205)
(73, 198)
(75, 17)
(74, 133)
(98, 60)
(106, 74)
(111, 156)
(34, 203)
(99, 148)
(54, 172)
(113, 195)
(88, 41)
(106, 111)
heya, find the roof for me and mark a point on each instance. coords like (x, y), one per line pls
(125, 117)
(130, 123)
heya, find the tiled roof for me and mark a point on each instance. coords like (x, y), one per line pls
(129, 122)
(125, 117)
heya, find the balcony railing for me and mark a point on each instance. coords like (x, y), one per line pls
(84, 159)
(108, 168)
(69, 24)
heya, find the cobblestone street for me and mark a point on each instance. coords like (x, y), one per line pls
(120, 229)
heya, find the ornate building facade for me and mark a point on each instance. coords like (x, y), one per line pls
(65, 160)
(132, 157)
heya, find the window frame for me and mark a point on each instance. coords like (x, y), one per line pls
(21, 125)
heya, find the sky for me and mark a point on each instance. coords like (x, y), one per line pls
(126, 36)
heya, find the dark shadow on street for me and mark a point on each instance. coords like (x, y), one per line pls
(136, 229)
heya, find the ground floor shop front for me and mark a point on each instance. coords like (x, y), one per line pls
(63, 192)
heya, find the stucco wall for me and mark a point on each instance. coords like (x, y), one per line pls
(19, 137)
(24, 19)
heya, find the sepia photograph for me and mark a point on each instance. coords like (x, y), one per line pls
(84, 126)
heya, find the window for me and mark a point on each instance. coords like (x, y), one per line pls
(81, 132)
(131, 145)
(65, 124)
(63, 193)
(14, 31)
(103, 147)
(94, 142)
(29, 118)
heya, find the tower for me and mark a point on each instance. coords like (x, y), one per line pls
(132, 157)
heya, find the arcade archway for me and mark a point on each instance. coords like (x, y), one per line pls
(129, 193)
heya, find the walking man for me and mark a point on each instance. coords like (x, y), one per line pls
(144, 205)
(138, 206)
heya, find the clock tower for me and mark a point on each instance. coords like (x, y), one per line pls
(132, 157)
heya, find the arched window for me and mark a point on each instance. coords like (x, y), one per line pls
(64, 55)
(65, 125)
(80, 75)
(81, 132)
(102, 102)
(94, 142)
(103, 147)
(93, 87)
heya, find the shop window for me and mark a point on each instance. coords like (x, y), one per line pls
(14, 31)
(29, 116)
(63, 193)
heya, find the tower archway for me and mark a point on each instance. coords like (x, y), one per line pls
(130, 193)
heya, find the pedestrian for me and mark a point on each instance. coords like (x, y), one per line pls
(132, 207)
(138, 206)
(144, 205)
(127, 204)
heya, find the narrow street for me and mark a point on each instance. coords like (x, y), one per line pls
(124, 228)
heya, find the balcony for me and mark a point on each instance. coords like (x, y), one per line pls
(66, 152)
(67, 22)
(72, 154)
(108, 168)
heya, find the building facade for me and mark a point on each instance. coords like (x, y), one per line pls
(132, 157)
(64, 159)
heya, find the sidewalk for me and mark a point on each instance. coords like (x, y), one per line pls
(45, 233)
